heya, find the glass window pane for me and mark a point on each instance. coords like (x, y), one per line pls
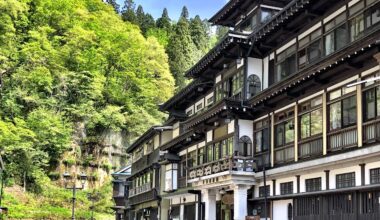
(314, 51)
(335, 116)
(305, 126)
(279, 134)
(335, 94)
(316, 122)
(349, 111)
(289, 131)
(266, 139)
(356, 8)
(258, 141)
(329, 43)
(370, 111)
(341, 37)
(356, 27)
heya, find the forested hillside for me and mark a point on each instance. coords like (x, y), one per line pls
(65, 63)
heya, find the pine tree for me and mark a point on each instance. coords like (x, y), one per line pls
(140, 16)
(128, 12)
(164, 22)
(182, 52)
(221, 32)
(148, 23)
(114, 4)
(199, 34)
(185, 13)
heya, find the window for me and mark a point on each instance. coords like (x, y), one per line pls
(284, 128)
(262, 138)
(210, 153)
(171, 177)
(342, 112)
(313, 185)
(286, 188)
(224, 148)
(286, 63)
(182, 166)
(201, 155)
(237, 82)
(267, 14)
(310, 48)
(217, 151)
(374, 176)
(262, 192)
(249, 24)
(345, 180)
(356, 23)
(311, 118)
(210, 101)
(372, 16)
(219, 94)
(336, 36)
(254, 85)
(192, 158)
(371, 99)
(199, 107)
(245, 146)
(149, 147)
(189, 112)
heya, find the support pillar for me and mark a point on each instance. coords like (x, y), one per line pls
(182, 212)
(210, 204)
(164, 209)
(240, 202)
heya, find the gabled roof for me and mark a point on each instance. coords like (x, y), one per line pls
(147, 135)
(231, 38)
(231, 6)
(125, 171)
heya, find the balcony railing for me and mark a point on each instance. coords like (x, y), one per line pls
(343, 138)
(140, 189)
(371, 131)
(229, 163)
(285, 154)
(310, 147)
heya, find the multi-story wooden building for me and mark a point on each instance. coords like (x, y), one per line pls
(278, 123)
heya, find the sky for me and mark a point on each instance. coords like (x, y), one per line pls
(203, 8)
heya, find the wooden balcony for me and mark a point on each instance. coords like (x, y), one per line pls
(371, 131)
(140, 189)
(234, 163)
(143, 197)
(342, 138)
(310, 147)
(284, 154)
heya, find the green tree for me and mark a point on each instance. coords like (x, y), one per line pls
(185, 13)
(140, 16)
(148, 23)
(114, 4)
(128, 11)
(199, 34)
(164, 21)
(182, 51)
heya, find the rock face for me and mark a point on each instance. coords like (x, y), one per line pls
(97, 156)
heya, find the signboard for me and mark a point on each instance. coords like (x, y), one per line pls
(228, 199)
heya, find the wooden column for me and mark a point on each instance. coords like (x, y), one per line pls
(272, 140)
(274, 187)
(359, 108)
(324, 122)
(296, 132)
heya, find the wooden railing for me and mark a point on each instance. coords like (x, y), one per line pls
(235, 163)
(343, 138)
(310, 147)
(284, 154)
(140, 189)
(371, 131)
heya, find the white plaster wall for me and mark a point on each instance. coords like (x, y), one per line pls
(285, 180)
(218, 78)
(265, 81)
(246, 129)
(156, 141)
(231, 127)
(351, 169)
(166, 136)
(368, 167)
(190, 108)
(280, 209)
(209, 136)
(303, 179)
(202, 101)
(209, 96)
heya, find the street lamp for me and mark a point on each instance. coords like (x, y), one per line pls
(68, 178)
(93, 197)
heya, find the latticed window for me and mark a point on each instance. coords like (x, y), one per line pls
(314, 184)
(286, 188)
(263, 189)
(345, 180)
(375, 176)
